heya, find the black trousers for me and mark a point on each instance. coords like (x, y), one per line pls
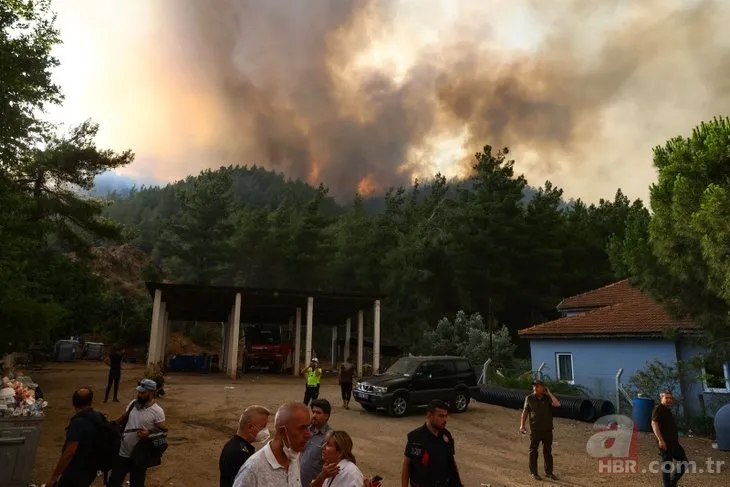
(346, 389)
(114, 377)
(122, 467)
(546, 438)
(675, 452)
(84, 480)
(310, 394)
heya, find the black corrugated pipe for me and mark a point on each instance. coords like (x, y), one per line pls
(501, 396)
(603, 407)
(580, 408)
(575, 408)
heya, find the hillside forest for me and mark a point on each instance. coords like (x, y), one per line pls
(492, 243)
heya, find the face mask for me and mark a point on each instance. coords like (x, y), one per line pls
(141, 402)
(263, 436)
(290, 454)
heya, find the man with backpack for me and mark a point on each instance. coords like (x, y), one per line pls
(138, 449)
(77, 465)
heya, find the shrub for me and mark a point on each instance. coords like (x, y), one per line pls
(466, 336)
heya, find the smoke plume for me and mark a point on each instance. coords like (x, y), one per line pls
(308, 87)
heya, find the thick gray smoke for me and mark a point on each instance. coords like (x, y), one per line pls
(280, 73)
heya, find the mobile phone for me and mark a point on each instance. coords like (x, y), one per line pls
(377, 478)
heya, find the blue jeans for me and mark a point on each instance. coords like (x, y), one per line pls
(673, 452)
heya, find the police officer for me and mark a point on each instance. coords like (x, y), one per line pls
(429, 454)
(314, 375)
(539, 407)
(251, 429)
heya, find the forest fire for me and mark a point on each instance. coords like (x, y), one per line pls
(367, 185)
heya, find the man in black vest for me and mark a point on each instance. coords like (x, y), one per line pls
(114, 361)
(539, 407)
(429, 455)
(665, 430)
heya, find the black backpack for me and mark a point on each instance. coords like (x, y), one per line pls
(107, 442)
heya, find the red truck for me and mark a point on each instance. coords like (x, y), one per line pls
(267, 347)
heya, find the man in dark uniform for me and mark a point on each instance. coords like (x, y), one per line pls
(77, 467)
(251, 429)
(114, 361)
(429, 454)
(665, 430)
(539, 407)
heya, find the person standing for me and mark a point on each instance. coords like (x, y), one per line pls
(77, 467)
(429, 457)
(114, 361)
(665, 430)
(141, 416)
(251, 429)
(311, 461)
(277, 464)
(539, 407)
(345, 378)
(313, 375)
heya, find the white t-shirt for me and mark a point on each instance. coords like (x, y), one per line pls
(263, 470)
(146, 418)
(348, 476)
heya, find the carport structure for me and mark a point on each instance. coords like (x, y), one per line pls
(236, 305)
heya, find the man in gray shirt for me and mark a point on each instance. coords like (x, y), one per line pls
(311, 460)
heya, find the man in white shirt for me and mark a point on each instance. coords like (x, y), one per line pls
(141, 416)
(277, 464)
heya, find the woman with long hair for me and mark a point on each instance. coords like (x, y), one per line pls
(340, 469)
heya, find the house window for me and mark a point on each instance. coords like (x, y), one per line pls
(717, 376)
(564, 366)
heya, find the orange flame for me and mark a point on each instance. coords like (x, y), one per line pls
(313, 176)
(367, 185)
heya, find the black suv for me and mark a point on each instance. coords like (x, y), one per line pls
(414, 381)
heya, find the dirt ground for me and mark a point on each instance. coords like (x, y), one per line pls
(202, 412)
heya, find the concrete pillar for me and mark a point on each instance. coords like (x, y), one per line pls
(308, 341)
(376, 337)
(164, 335)
(297, 342)
(334, 347)
(157, 311)
(360, 331)
(346, 349)
(235, 334)
(290, 357)
(226, 339)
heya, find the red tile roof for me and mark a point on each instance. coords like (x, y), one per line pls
(618, 292)
(627, 311)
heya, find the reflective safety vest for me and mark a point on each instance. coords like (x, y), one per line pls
(312, 377)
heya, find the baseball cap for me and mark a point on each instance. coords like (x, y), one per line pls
(315, 359)
(538, 382)
(146, 385)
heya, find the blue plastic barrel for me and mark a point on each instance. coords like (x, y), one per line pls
(722, 428)
(643, 408)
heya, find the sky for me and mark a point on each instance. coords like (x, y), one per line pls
(362, 95)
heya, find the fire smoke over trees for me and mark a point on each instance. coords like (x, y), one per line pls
(306, 87)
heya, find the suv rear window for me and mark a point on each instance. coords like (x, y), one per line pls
(437, 369)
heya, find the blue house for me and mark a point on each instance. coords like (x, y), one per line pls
(619, 327)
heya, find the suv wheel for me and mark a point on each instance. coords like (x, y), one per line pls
(461, 402)
(399, 406)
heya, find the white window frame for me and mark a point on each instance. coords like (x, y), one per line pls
(557, 367)
(718, 390)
